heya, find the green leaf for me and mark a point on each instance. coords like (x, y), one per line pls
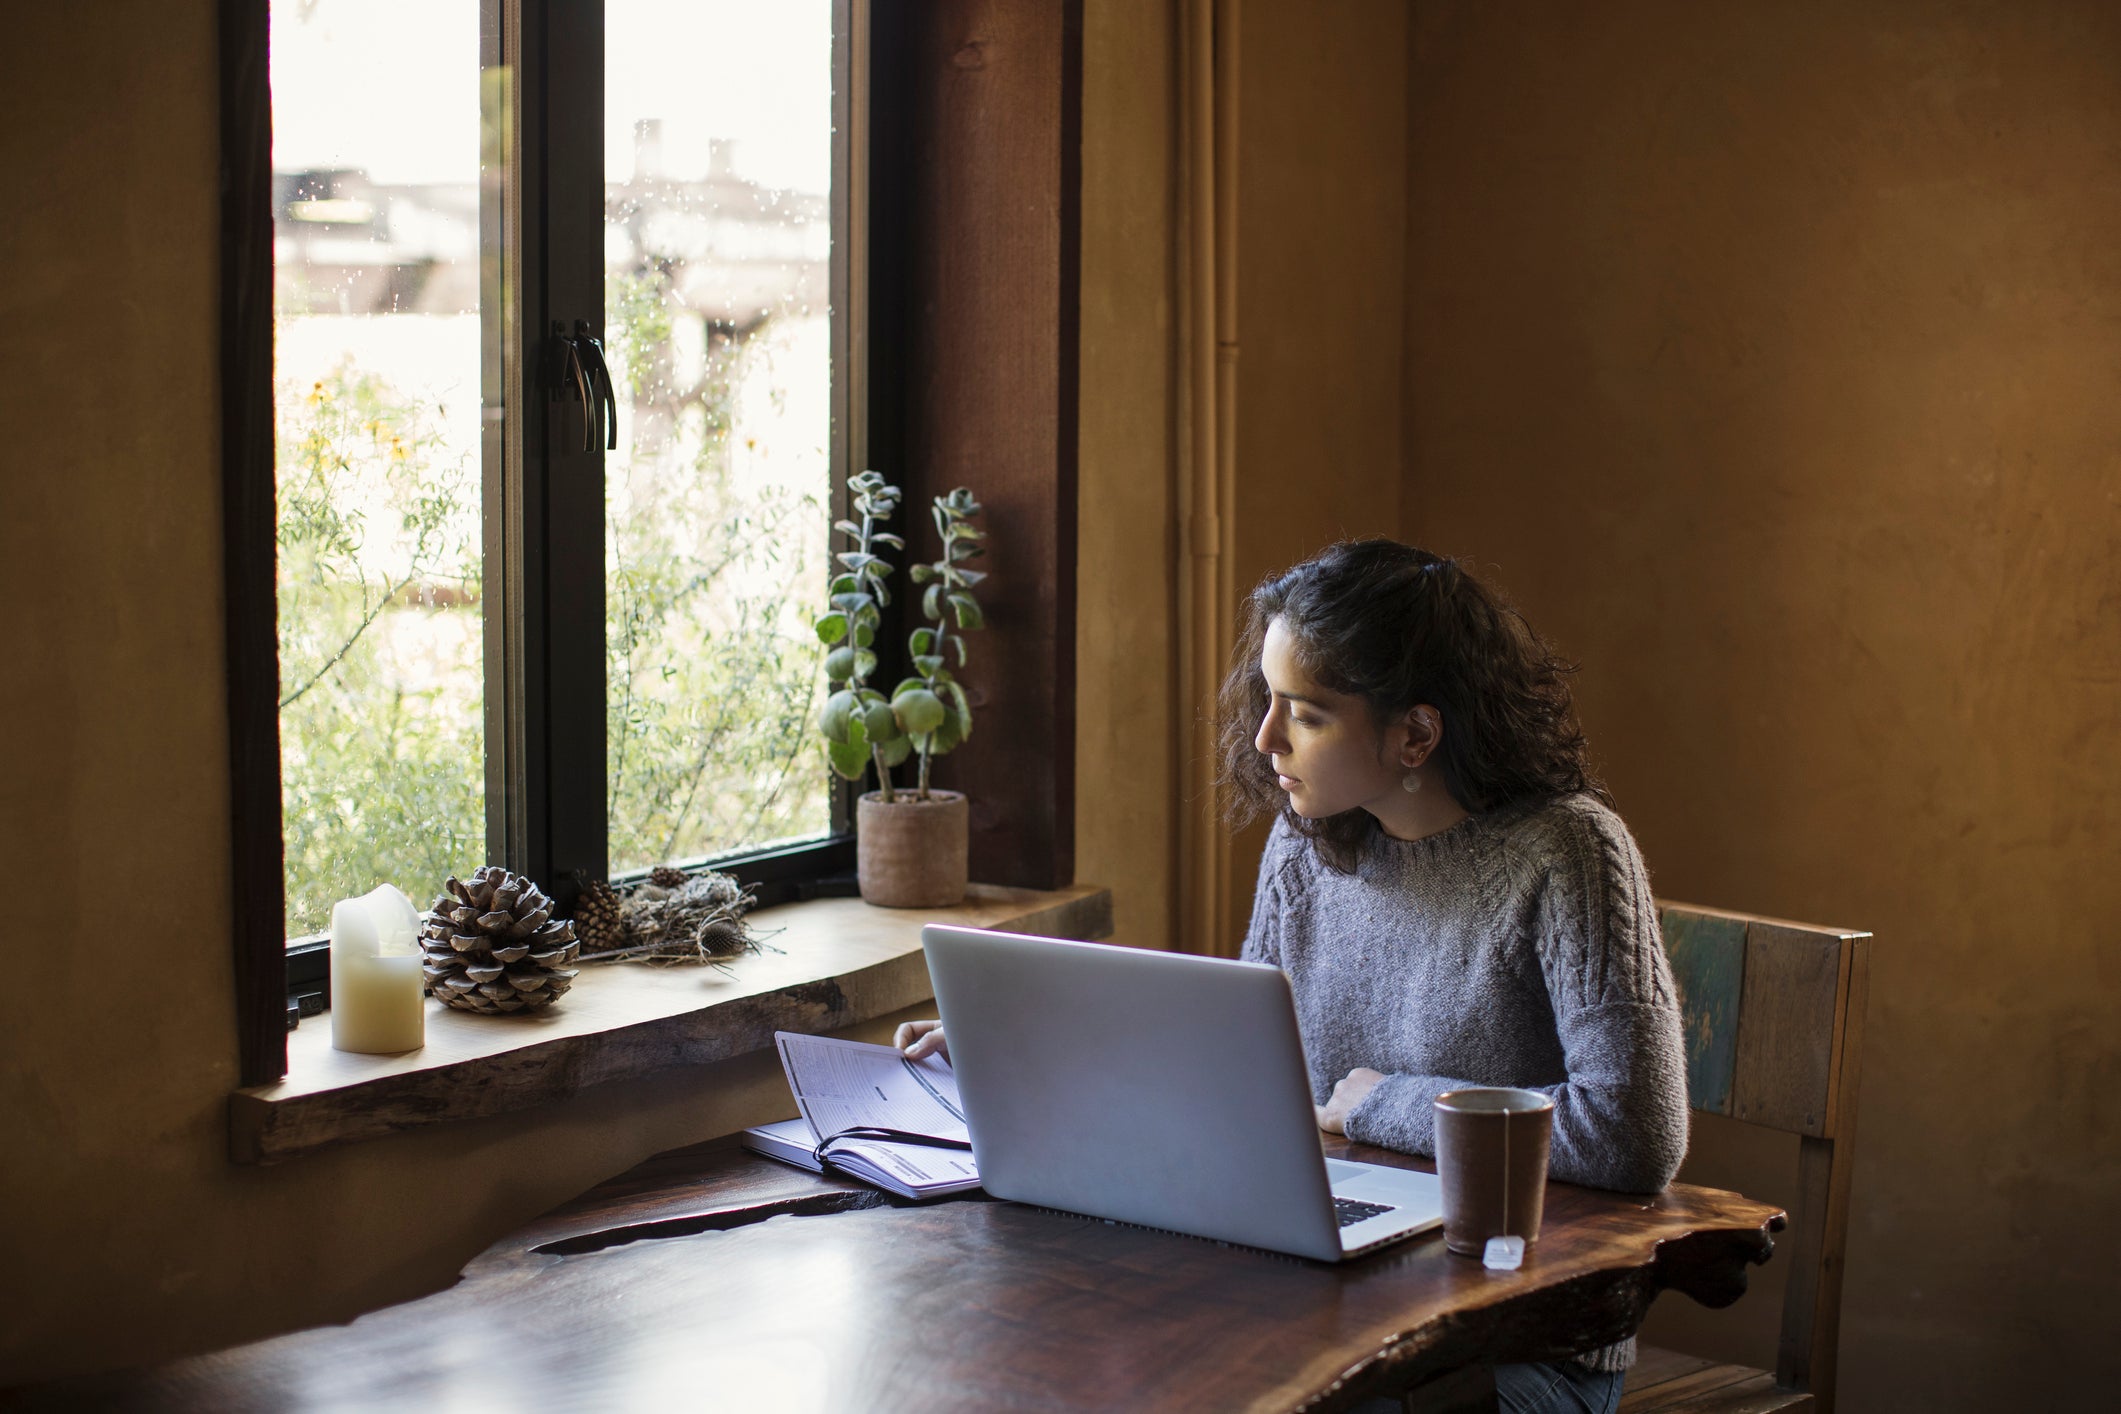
(847, 758)
(838, 716)
(850, 603)
(926, 664)
(943, 740)
(932, 604)
(919, 710)
(855, 559)
(968, 614)
(831, 628)
(972, 576)
(840, 664)
(950, 734)
(864, 662)
(921, 640)
(920, 574)
(959, 644)
(844, 584)
(848, 527)
(864, 635)
(885, 537)
(896, 750)
(960, 708)
(880, 723)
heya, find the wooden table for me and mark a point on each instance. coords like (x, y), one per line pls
(710, 1278)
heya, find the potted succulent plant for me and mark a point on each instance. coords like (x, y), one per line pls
(910, 845)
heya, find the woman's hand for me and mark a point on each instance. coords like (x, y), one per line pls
(1347, 1094)
(922, 1038)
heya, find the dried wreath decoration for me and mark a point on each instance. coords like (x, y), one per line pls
(667, 918)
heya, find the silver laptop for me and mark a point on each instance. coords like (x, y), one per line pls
(1154, 1088)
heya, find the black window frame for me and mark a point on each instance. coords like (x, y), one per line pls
(544, 632)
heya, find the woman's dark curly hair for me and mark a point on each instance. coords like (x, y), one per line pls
(1397, 626)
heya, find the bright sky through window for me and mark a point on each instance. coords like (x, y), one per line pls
(692, 67)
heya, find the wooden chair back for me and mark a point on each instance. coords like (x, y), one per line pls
(1774, 1036)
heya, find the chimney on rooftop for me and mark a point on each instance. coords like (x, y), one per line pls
(647, 148)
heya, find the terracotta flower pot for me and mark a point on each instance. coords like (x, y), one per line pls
(911, 854)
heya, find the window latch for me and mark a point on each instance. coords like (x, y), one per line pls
(585, 376)
(592, 350)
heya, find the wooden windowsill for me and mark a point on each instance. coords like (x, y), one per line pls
(839, 962)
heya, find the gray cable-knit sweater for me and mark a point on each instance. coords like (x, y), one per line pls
(1518, 947)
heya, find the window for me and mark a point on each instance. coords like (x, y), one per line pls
(511, 624)
(603, 212)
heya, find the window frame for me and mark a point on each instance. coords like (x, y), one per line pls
(248, 562)
(543, 517)
(970, 211)
(547, 783)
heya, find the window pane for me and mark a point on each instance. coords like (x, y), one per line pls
(376, 148)
(718, 163)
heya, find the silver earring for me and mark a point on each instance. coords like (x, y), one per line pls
(1410, 782)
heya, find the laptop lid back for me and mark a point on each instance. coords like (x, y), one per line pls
(1153, 1088)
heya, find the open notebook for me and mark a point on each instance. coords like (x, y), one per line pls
(847, 1092)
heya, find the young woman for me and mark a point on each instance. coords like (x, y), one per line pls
(1449, 891)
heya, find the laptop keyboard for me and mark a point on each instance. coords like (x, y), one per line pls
(1351, 1212)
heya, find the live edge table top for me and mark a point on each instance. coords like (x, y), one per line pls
(710, 1278)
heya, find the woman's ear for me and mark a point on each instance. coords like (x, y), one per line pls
(1424, 726)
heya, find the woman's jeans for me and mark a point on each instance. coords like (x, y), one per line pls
(1564, 1388)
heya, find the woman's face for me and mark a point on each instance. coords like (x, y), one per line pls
(1326, 746)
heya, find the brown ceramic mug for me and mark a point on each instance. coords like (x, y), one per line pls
(1491, 1154)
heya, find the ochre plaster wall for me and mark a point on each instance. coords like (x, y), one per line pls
(1766, 353)
(130, 1237)
(1320, 259)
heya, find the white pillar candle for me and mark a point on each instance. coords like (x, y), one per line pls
(376, 1006)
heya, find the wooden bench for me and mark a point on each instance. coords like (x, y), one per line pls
(1774, 1035)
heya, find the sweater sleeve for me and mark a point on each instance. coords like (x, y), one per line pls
(1620, 1116)
(1620, 1120)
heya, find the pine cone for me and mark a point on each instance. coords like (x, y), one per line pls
(492, 945)
(598, 920)
(665, 877)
